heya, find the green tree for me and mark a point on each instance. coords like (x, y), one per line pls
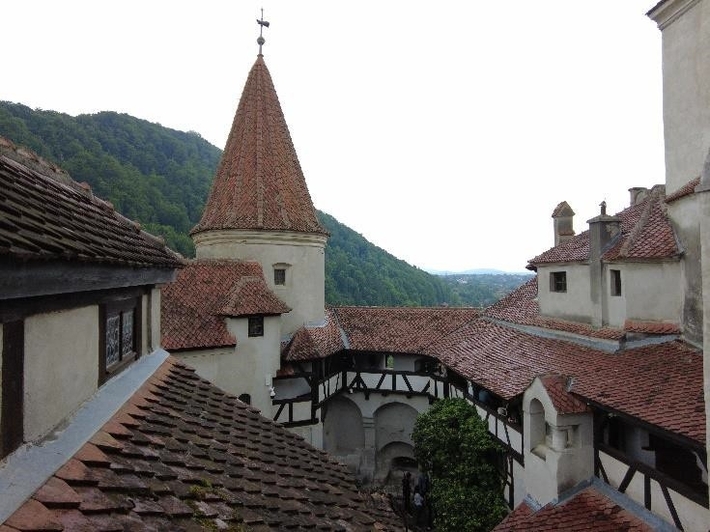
(452, 444)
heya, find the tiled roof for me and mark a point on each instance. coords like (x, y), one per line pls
(557, 387)
(667, 378)
(646, 233)
(313, 342)
(181, 455)
(259, 183)
(521, 307)
(401, 329)
(45, 215)
(505, 360)
(685, 190)
(204, 292)
(588, 510)
(383, 329)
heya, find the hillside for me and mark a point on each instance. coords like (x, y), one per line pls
(161, 177)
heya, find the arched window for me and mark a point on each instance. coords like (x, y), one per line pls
(538, 429)
(245, 398)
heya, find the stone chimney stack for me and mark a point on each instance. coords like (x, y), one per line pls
(637, 195)
(562, 223)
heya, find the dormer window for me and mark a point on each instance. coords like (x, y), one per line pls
(615, 282)
(558, 281)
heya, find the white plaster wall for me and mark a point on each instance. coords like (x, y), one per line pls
(556, 466)
(246, 370)
(518, 484)
(259, 360)
(304, 290)
(219, 366)
(686, 98)
(154, 316)
(369, 406)
(653, 291)
(60, 348)
(290, 388)
(394, 422)
(576, 303)
(614, 306)
(685, 215)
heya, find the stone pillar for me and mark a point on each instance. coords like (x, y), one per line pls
(603, 230)
(368, 459)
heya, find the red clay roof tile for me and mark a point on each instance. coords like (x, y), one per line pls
(259, 183)
(557, 387)
(204, 292)
(587, 510)
(505, 361)
(229, 466)
(646, 233)
(45, 215)
(685, 190)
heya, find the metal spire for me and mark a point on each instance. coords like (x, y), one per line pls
(262, 24)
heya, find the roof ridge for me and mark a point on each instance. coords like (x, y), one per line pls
(638, 226)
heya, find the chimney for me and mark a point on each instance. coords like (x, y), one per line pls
(562, 223)
(603, 232)
(637, 195)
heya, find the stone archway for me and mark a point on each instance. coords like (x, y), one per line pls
(343, 431)
(394, 448)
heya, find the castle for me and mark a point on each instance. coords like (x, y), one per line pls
(590, 376)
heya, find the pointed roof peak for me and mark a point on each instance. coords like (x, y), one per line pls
(259, 184)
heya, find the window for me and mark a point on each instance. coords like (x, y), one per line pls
(558, 281)
(279, 276)
(120, 338)
(256, 326)
(615, 282)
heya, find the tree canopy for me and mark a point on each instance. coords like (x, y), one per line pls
(453, 446)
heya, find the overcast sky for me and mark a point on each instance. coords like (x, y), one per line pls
(444, 132)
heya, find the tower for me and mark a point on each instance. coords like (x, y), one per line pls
(259, 207)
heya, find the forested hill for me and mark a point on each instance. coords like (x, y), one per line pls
(152, 174)
(161, 177)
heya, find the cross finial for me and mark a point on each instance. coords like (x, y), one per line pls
(262, 24)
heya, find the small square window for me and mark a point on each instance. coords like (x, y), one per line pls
(256, 326)
(615, 282)
(558, 281)
(279, 276)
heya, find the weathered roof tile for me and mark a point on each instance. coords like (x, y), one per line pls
(259, 183)
(202, 482)
(46, 216)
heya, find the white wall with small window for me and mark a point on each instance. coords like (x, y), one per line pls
(642, 291)
(563, 291)
(559, 450)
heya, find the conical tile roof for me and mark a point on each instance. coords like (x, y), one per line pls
(259, 184)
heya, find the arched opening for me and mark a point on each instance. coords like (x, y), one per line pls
(394, 423)
(538, 429)
(343, 432)
(245, 398)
